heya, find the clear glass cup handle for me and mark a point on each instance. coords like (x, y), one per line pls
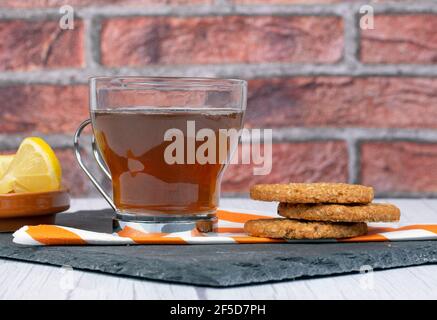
(96, 157)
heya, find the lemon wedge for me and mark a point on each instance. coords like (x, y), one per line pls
(34, 168)
(5, 161)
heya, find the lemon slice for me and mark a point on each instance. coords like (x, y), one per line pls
(5, 161)
(35, 168)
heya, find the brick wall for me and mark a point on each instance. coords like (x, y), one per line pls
(345, 104)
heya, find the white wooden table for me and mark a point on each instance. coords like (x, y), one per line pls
(19, 280)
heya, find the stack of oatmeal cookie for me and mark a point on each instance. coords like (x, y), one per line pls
(319, 211)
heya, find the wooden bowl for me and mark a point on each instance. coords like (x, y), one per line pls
(31, 208)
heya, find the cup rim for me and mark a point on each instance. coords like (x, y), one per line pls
(168, 81)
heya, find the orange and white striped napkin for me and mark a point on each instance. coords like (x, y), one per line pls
(229, 230)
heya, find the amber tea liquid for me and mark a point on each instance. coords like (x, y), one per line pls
(132, 144)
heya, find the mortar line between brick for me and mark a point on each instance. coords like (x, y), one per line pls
(182, 10)
(222, 2)
(246, 71)
(353, 160)
(351, 36)
(92, 42)
(59, 141)
(352, 136)
(217, 9)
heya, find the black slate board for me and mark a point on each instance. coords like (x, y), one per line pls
(218, 265)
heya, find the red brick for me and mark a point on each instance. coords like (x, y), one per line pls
(73, 178)
(231, 39)
(42, 108)
(401, 39)
(29, 45)
(294, 162)
(84, 3)
(399, 166)
(343, 102)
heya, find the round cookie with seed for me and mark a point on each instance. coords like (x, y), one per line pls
(312, 193)
(372, 212)
(290, 229)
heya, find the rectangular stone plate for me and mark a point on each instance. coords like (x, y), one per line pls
(218, 265)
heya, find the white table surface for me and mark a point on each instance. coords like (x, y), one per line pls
(20, 280)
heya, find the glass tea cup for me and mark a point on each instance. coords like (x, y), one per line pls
(164, 143)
